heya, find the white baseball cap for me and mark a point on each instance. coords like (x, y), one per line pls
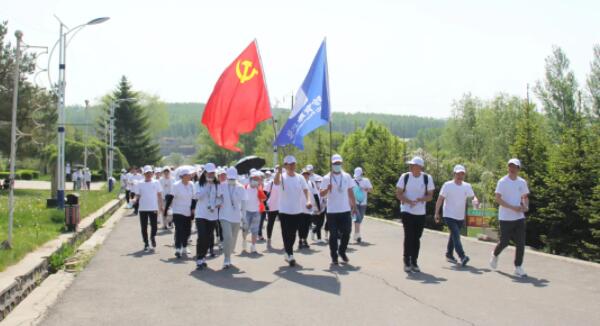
(290, 159)
(514, 161)
(232, 173)
(358, 172)
(417, 161)
(310, 168)
(185, 171)
(255, 174)
(459, 168)
(336, 158)
(210, 168)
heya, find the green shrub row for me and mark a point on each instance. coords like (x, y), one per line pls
(21, 174)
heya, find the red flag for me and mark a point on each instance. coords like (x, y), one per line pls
(239, 100)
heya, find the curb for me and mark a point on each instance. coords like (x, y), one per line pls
(492, 244)
(17, 281)
(34, 308)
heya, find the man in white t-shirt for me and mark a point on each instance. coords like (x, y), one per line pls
(512, 197)
(293, 199)
(414, 189)
(454, 196)
(341, 204)
(362, 187)
(148, 197)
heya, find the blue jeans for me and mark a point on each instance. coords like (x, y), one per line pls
(454, 239)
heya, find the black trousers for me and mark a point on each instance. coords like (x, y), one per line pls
(304, 226)
(127, 196)
(289, 227)
(206, 237)
(219, 231)
(263, 216)
(318, 221)
(183, 227)
(271, 218)
(340, 227)
(413, 230)
(514, 230)
(144, 217)
(136, 205)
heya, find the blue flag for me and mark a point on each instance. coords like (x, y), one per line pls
(311, 109)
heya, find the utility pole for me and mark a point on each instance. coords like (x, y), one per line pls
(85, 135)
(13, 141)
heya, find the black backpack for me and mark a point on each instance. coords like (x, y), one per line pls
(425, 180)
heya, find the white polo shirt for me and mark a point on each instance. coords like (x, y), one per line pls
(273, 201)
(231, 209)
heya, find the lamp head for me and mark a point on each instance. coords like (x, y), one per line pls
(99, 20)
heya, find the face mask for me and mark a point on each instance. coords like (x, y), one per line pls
(359, 178)
(232, 182)
(254, 183)
(337, 168)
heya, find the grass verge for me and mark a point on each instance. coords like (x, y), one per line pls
(34, 224)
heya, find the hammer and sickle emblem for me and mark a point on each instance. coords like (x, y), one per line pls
(246, 75)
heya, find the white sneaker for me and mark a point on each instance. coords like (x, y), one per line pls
(520, 272)
(188, 251)
(494, 262)
(253, 249)
(226, 263)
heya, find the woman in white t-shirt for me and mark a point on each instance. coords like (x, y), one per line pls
(207, 213)
(183, 207)
(293, 199)
(251, 220)
(362, 187)
(453, 196)
(230, 214)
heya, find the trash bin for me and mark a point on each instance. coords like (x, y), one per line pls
(72, 199)
(72, 217)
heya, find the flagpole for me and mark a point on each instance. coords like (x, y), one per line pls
(274, 122)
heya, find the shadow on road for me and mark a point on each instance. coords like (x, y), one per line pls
(537, 282)
(470, 269)
(250, 255)
(272, 250)
(140, 253)
(343, 269)
(323, 283)
(175, 260)
(425, 278)
(229, 279)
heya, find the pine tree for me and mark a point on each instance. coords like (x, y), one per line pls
(557, 91)
(132, 134)
(593, 83)
(530, 148)
(568, 191)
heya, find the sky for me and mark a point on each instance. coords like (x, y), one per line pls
(397, 57)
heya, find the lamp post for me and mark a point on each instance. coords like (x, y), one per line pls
(60, 90)
(85, 135)
(111, 137)
(13, 140)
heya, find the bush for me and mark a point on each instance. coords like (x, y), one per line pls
(26, 175)
(98, 176)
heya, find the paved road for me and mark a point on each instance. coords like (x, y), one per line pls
(124, 286)
(45, 185)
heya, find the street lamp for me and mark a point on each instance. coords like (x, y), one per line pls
(60, 88)
(13, 140)
(111, 132)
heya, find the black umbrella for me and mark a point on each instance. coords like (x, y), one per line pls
(248, 163)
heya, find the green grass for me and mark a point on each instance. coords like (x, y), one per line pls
(34, 224)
